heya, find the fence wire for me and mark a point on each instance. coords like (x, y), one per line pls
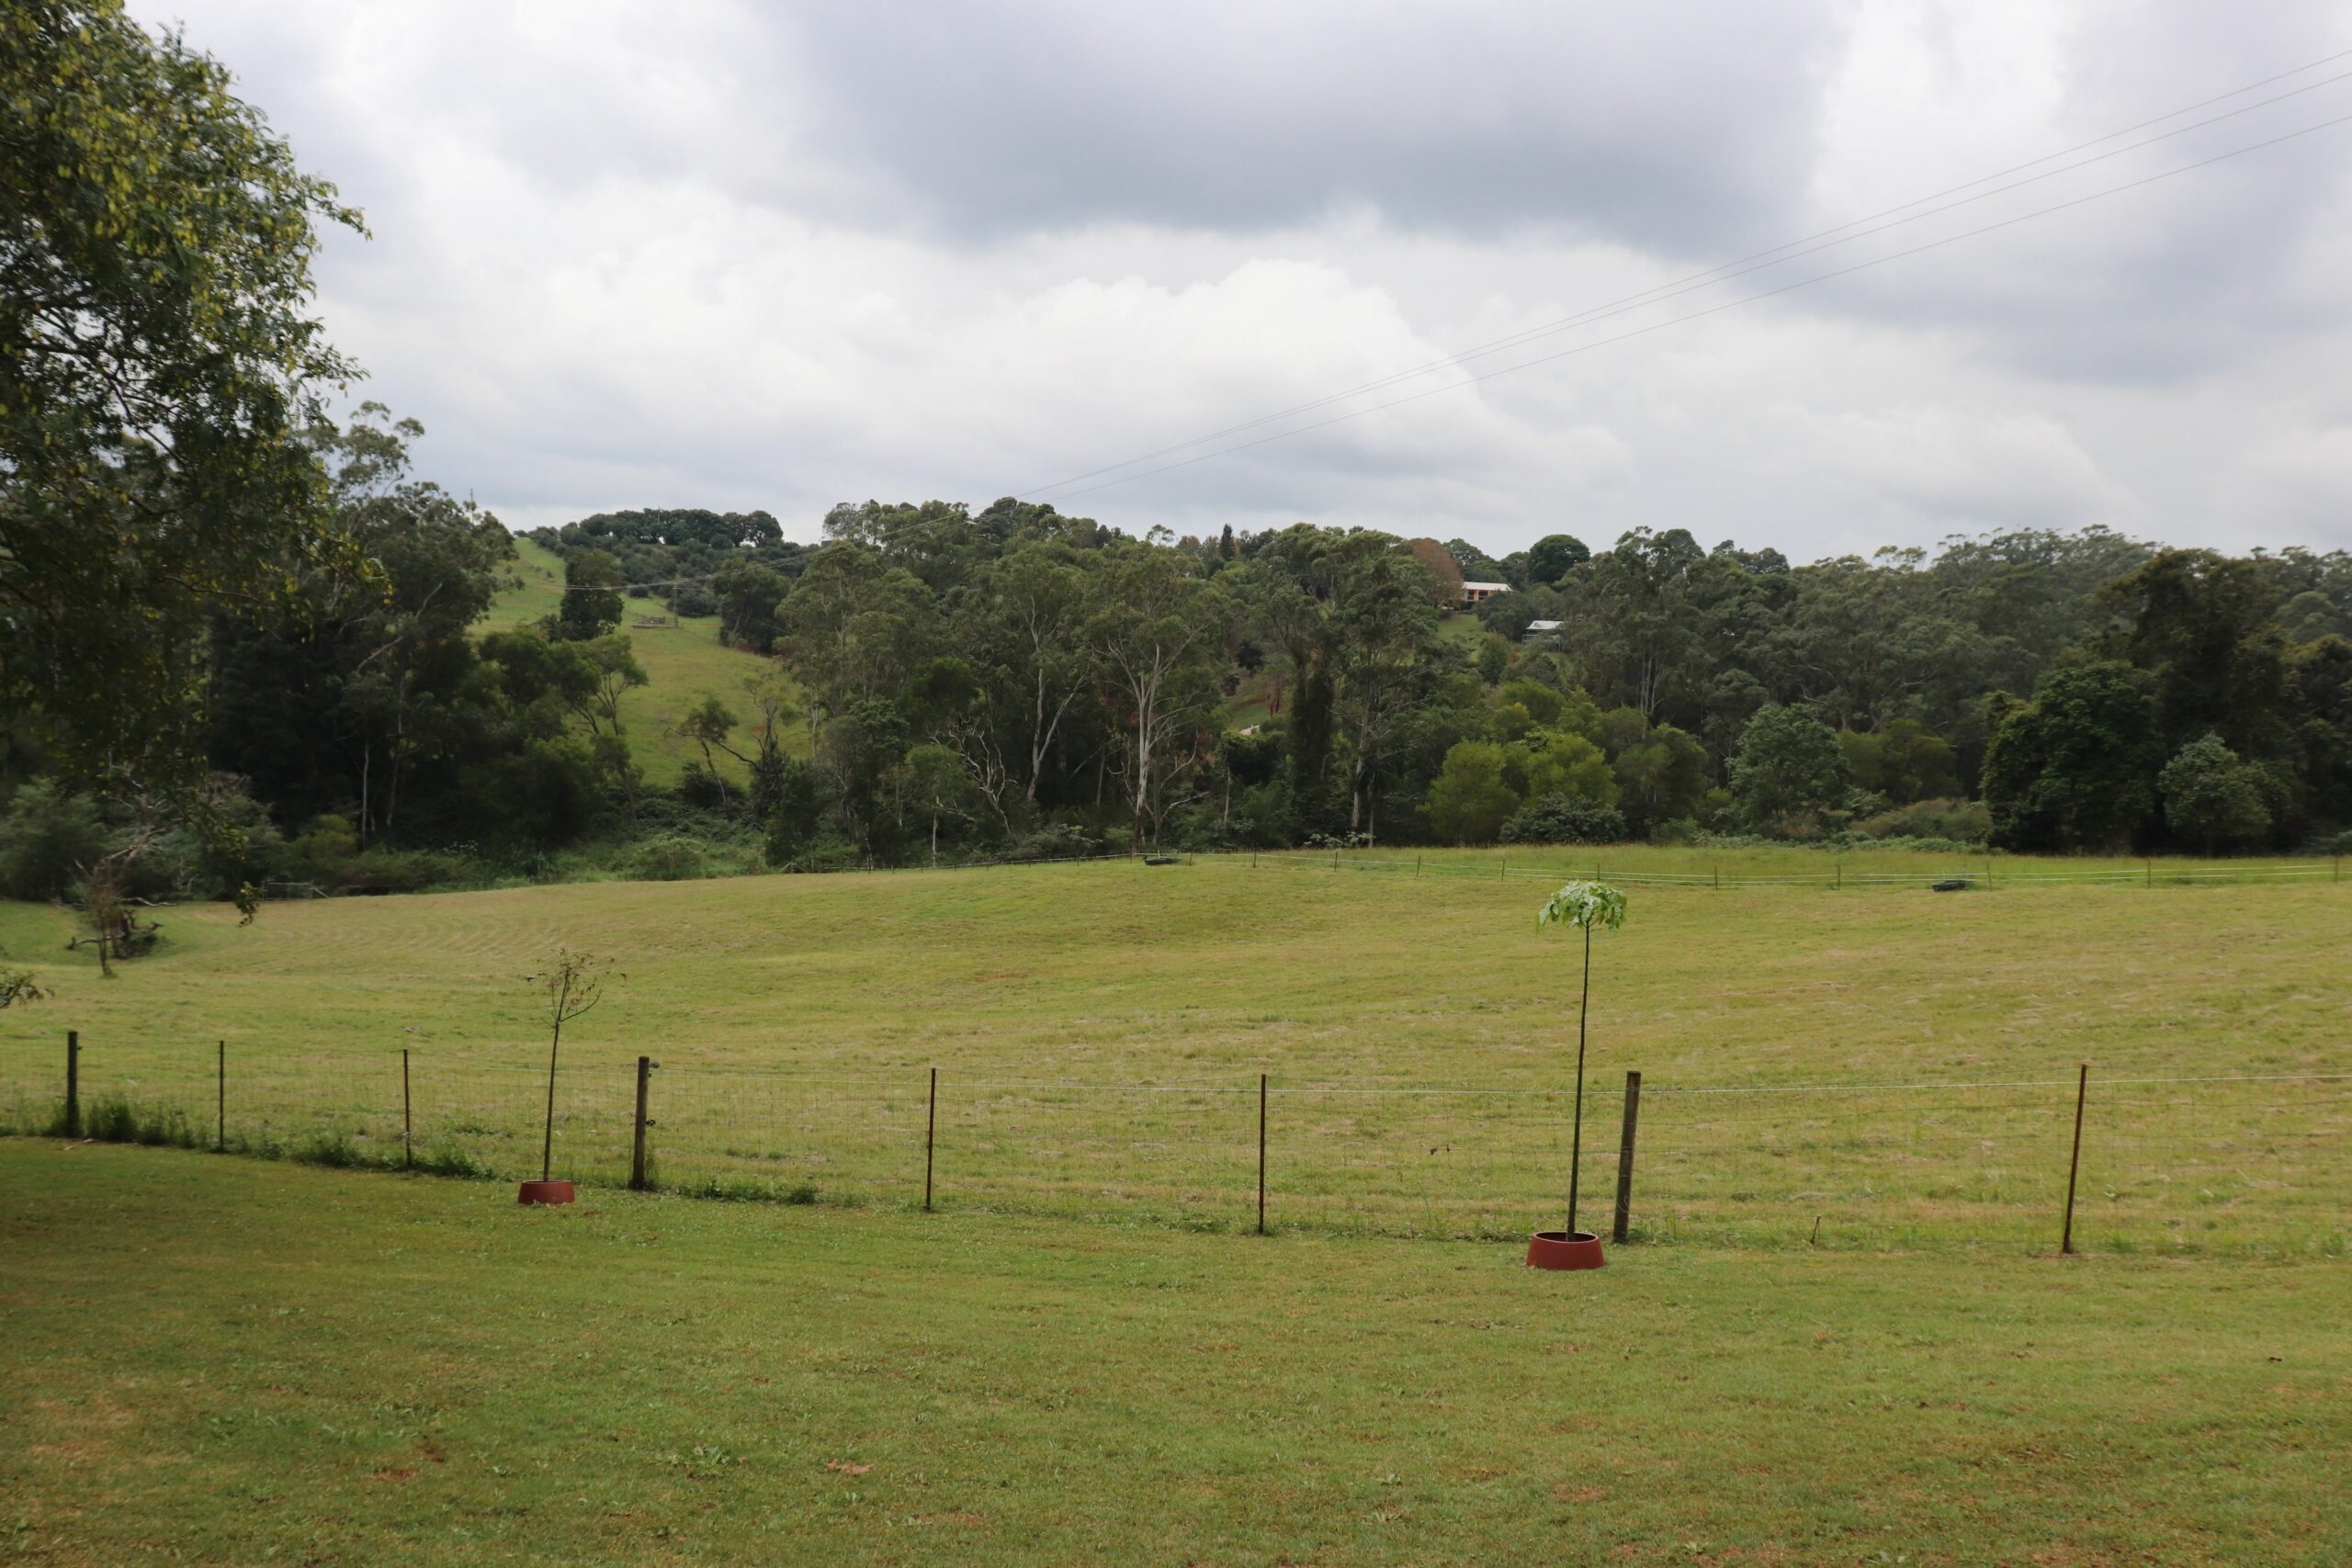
(2259, 1163)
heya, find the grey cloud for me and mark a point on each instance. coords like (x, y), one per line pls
(1637, 123)
(709, 252)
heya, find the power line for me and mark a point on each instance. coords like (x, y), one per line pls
(625, 587)
(1790, 251)
(1712, 310)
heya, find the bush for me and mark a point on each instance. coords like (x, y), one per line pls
(1565, 820)
(1952, 820)
(118, 1120)
(827, 851)
(1057, 841)
(671, 859)
(47, 838)
(385, 870)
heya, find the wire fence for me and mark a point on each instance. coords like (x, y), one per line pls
(2247, 1163)
(1984, 871)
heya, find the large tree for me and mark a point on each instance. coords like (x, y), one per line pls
(159, 364)
(2074, 768)
(1155, 633)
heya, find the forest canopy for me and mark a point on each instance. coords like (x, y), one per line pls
(245, 646)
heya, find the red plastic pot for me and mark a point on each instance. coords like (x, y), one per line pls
(1560, 1250)
(545, 1192)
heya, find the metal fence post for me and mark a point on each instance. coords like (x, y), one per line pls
(221, 1101)
(73, 1083)
(1625, 1156)
(1261, 1154)
(2074, 1164)
(929, 1139)
(637, 1149)
(408, 1118)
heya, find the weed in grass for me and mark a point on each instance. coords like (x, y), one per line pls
(117, 1119)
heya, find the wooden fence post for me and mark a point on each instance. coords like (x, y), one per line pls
(1625, 1156)
(2074, 1164)
(221, 1101)
(1261, 1154)
(929, 1139)
(73, 1083)
(645, 1065)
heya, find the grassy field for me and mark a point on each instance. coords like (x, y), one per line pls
(682, 664)
(221, 1362)
(1101, 1029)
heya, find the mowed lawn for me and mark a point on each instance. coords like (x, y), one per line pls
(227, 1361)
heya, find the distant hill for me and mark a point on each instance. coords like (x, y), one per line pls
(681, 663)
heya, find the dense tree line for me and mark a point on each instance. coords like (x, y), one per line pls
(241, 643)
(1016, 675)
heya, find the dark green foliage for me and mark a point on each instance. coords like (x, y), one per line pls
(2075, 769)
(158, 365)
(746, 596)
(48, 840)
(1790, 769)
(2213, 798)
(1950, 820)
(2204, 627)
(796, 818)
(1564, 819)
(1471, 796)
(592, 599)
(1901, 761)
(1661, 777)
(1553, 557)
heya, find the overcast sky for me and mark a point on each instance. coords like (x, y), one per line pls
(723, 253)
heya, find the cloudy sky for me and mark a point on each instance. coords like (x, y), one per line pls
(736, 254)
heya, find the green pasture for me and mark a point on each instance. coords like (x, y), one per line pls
(223, 1362)
(1867, 1066)
(682, 664)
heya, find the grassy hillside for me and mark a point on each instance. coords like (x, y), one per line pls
(223, 1362)
(682, 663)
(795, 1019)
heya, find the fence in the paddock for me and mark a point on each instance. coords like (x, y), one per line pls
(2220, 1163)
(1539, 864)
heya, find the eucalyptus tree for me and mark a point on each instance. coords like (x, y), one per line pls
(1028, 615)
(160, 360)
(1385, 654)
(1157, 634)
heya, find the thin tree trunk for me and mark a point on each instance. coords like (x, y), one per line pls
(547, 1145)
(1576, 1140)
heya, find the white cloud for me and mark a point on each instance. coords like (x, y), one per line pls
(708, 253)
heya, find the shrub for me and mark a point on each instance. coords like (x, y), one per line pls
(1959, 821)
(671, 859)
(333, 1150)
(1565, 820)
(384, 870)
(456, 1163)
(1056, 841)
(47, 838)
(116, 1119)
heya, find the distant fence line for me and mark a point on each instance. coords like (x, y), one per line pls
(2254, 1162)
(1988, 872)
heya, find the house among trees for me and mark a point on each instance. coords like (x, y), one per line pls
(1471, 592)
(1539, 628)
